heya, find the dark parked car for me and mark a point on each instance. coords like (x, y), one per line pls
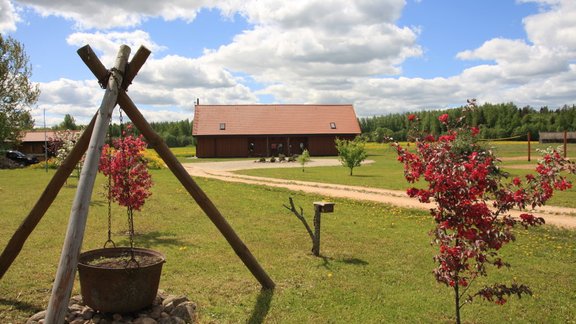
(21, 158)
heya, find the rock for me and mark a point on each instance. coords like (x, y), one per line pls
(168, 300)
(145, 320)
(168, 308)
(178, 320)
(38, 316)
(75, 308)
(185, 311)
(76, 300)
(77, 321)
(179, 300)
(156, 311)
(165, 320)
(87, 313)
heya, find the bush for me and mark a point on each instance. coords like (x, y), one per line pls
(281, 157)
(153, 161)
(272, 159)
(53, 163)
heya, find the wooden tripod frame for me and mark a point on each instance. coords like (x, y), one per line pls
(117, 81)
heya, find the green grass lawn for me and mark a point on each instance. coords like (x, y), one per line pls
(376, 264)
(386, 172)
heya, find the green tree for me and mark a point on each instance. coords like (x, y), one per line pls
(17, 92)
(351, 153)
(69, 123)
(304, 158)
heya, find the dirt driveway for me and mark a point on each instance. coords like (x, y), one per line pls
(559, 216)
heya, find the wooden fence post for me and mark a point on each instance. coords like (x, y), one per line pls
(64, 280)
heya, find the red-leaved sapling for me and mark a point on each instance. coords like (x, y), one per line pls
(473, 199)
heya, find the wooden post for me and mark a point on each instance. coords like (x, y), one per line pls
(64, 280)
(529, 147)
(319, 208)
(316, 242)
(181, 174)
(52, 189)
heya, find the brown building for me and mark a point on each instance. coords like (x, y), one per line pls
(269, 130)
(33, 142)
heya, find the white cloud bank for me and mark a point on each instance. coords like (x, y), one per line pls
(314, 51)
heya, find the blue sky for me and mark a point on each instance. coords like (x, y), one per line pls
(383, 56)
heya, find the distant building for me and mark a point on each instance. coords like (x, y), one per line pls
(269, 130)
(557, 137)
(33, 141)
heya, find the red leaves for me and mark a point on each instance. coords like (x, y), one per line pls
(125, 164)
(444, 118)
(462, 178)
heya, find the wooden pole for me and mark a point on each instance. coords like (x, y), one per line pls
(64, 281)
(52, 189)
(178, 170)
(316, 242)
(195, 191)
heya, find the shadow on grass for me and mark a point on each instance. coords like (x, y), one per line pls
(352, 261)
(365, 176)
(262, 306)
(20, 305)
(156, 238)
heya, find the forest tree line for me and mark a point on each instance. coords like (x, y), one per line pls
(174, 133)
(495, 121)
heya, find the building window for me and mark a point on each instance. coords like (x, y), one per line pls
(222, 126)
(333, 125)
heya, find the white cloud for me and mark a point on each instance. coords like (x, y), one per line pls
(317, 39)
(315, 51)
(518, 59)
(8, 16)
(103, 14)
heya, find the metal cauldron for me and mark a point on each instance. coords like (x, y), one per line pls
(123, 290)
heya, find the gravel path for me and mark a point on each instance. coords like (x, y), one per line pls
(559, 216)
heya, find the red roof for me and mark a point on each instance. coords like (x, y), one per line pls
(274, 120)
(38, 136)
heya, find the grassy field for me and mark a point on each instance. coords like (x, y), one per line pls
(386, 172)
(375, 267)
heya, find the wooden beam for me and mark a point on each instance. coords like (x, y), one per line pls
(195, 191)
(189, 184)
(64, 280)
(53, 188)
(45, 201)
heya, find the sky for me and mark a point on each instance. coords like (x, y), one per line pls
(382, 56)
